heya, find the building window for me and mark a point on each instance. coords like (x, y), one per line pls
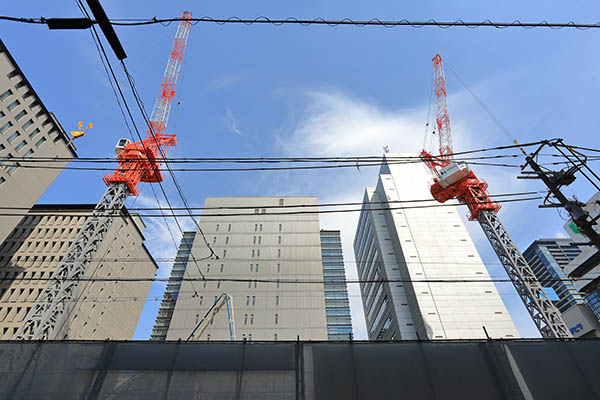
(280, 202)
(224, 253)
(201, 298)
(222, 267)
(27, 124)
(256, 267)
(253, 253)
(260, 227)
(253, 300)
(214, 239)
(19, 85)
(20, 145)
(278, 253)
(264, 210)
(20, 115)
(280, 227)
(7, 93)
(217, 228)
(227, 240)
(33, 133)
(254, 240)
(278, 239)
(5, 126)
(276, 300)
(12, 137)
(245, 319)
(218, 284)
(275, 337)
(278, 267)
(251, 267)
(13, 105)
(257, 253)
(278, 283)
(251, 319)
(255, 227)
(229, 228)
(247, 300)
(276, 319)
(256, 211)
(260, 240)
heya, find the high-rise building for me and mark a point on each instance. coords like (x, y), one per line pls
(167, 305)
(269, 264)
(337, 306)
(585, 268)
(415, 259)
(100, 309)
(27, 129)
(547, 259)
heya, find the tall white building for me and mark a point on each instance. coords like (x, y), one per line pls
(267, 257)
(403, 245)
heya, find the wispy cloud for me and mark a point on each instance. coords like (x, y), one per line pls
(231, 123)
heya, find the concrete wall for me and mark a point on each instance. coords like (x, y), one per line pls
(285, 248)
(32, 251)
(28, 129)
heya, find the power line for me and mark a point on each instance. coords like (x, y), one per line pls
(121, 215)
(275, 207)
(322, 21)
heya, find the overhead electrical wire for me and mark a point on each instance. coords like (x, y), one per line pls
(189, 214)
(327, 22)
(302, 205)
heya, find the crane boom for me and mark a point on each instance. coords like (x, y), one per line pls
(138, 162)
(223, 300)
(455, 180)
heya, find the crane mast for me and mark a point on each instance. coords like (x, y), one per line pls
(455, 180)
(138, 162)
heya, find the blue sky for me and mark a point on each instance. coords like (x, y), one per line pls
(304, 91)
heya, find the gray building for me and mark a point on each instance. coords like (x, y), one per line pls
(585, 268)
(27, 130)
(100, 309)
(547, 259)
(269, 263)
(414, 259)
(337, 306)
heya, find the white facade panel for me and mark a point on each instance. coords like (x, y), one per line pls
(406, 238)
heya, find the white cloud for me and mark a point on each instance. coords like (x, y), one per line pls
(231, 123)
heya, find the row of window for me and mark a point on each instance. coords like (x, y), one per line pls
(257, 227)
(253, 268)
(255, 240)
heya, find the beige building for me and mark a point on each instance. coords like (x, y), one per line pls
(262, 252)
(105, 309)
(27, 129)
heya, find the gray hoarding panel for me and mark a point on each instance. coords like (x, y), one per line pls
(550, 371)
(57, 370)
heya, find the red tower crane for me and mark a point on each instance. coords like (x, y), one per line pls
(455, 180)
(138, 162)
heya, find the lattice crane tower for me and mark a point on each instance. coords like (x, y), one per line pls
(138, 162)
(455, 180)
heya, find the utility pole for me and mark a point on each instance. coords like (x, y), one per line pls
(554, 180)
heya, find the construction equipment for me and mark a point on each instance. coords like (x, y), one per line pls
(138, 162)
(207, 319)
(455, 180)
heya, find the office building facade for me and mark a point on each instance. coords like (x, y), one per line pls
(337, 306)
(269, 263)
(100, 309)
(414, 259)
(27, 129)
(548, 259)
